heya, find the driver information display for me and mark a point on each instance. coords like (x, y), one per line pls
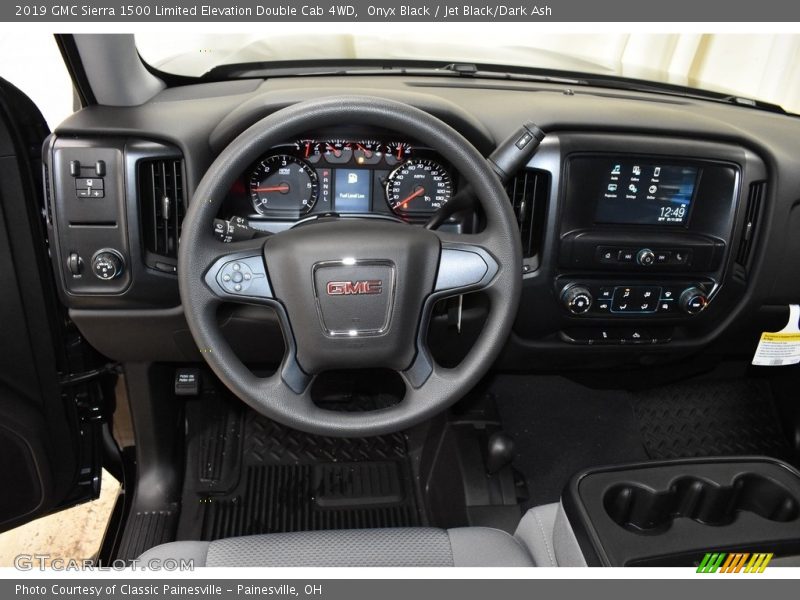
(645, 193)
(352, 190)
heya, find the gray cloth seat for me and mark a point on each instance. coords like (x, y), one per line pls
(406, 547)
(544, 538)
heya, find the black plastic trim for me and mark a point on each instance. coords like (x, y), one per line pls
(72, 59)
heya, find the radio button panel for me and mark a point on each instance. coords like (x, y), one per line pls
(644, 257)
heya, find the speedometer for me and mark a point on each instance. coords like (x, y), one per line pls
(418, 186)
(283, 185)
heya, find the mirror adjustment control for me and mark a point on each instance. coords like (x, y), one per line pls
(693, 300)
(645, 257)
(107, 264)
(577, 299)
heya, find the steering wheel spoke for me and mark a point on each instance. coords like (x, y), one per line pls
(423, 365)
(466, 264)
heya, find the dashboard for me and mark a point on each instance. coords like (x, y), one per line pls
(347, 176)
(653, 229)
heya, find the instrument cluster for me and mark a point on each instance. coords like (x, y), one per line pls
(344, 176)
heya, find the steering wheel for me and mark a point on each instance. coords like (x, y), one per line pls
(350, 293)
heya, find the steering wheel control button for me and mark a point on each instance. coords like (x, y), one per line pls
(244, 277)
(107, 264)
(354, 298)
(577, 299)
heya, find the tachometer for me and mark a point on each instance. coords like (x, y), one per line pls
(418, 186)
(283, 185)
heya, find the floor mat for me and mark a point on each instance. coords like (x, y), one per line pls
(248, 475)
(560, 427)
(711, 419)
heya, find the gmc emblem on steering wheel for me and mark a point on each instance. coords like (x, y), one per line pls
(354, 288)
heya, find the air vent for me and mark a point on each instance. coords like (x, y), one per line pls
(752, 212)
(529, 192)
(48, 203)
(162, 205)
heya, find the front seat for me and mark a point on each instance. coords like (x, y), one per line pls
(543, 538)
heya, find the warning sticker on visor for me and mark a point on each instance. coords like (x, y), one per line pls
(780, 348)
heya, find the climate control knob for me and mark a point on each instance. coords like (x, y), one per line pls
(577, 299)
(107, 264)
(693, 300)
(645, 257)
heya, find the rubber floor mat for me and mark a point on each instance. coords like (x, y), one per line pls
(249, 475)
(560, 427)
(711, 419)
(145, 530)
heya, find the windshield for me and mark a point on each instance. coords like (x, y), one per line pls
(761, 67)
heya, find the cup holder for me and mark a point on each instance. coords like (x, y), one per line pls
(642, 510)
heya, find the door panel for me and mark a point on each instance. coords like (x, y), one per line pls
(39, 451)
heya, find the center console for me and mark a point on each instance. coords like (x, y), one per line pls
(672, 513)
(648, 233)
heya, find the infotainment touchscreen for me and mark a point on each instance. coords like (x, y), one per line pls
(643, 192)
